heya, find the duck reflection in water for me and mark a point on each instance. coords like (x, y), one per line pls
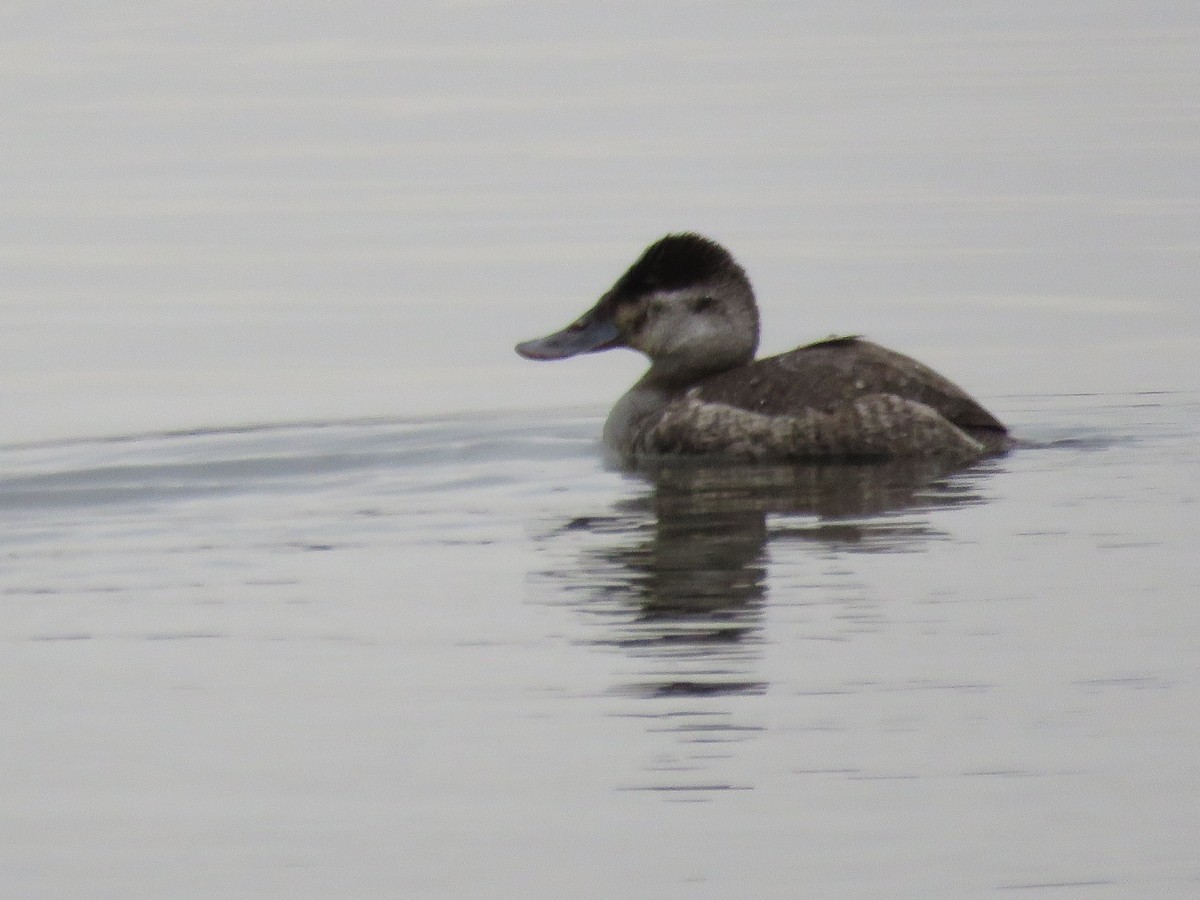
(687, 592)
(675, 580)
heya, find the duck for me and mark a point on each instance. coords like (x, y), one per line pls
(689, 307)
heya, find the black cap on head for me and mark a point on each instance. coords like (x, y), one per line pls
(676, 261)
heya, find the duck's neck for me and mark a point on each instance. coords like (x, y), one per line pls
(672, 375)
(632, 413)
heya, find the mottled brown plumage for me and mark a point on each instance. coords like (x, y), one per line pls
(833, 372)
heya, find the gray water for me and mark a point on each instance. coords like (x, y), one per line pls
(309, 587)
(458, 657)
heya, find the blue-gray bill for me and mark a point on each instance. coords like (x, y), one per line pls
(589, 333)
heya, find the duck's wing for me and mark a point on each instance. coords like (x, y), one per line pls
(833, 374)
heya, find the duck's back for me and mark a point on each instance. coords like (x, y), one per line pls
(833, 373)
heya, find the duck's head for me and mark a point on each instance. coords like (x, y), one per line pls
(685, 303)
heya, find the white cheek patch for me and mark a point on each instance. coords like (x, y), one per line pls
(667, 300)
(672, 325)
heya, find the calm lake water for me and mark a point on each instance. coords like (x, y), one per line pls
(458, 657)
(284, 614)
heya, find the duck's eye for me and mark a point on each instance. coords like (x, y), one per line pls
(700, 304)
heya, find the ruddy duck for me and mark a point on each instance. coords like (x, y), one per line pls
(689, 307)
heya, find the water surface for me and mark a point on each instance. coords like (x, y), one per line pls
(459, 657)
